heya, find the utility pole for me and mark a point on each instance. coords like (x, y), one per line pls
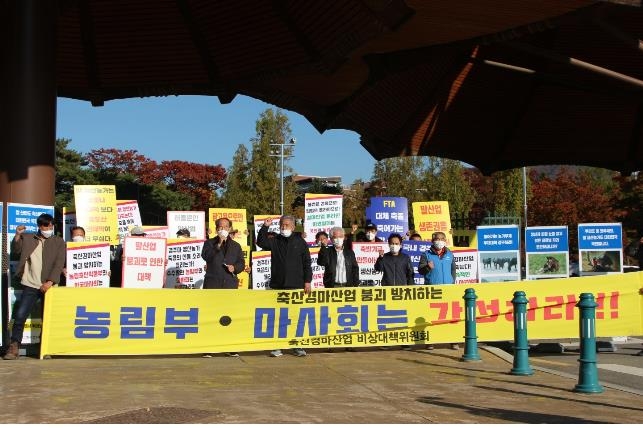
(280, 153)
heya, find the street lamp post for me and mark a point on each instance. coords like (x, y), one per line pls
(281, 154)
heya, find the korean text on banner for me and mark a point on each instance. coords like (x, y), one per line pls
(87, 264)
(237, 217)
(194, 221)
(143, 262)
(432, 217)
(389, 214)
(108, 321)
(96, 212)
(129, 215)
(322, 212)
(185, 266)
(366, 255)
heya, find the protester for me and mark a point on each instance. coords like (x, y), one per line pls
(290, 262)
(42, 257)
(438, 266)
(77, 235)
(340, 265)
(415, 237)
(223, 257)
(395, 265)
(321, 239)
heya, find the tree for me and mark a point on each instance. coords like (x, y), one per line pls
(112, 162)
(238, 185)
(271, 127)
(508, 192)
(71, 169)
(200, 181)
(354, 204)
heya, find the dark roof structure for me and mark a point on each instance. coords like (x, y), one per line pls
(497, 84)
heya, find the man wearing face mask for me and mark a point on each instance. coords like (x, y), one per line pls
(395, 265)
(438, 266)
(290, 262)
(42, 257)
(223, 257)
(341, 269)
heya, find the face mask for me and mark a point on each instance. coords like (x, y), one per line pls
(338, 242)
(47, 233)
(78, 238)
(439, 244)
(286, 233)
(395, 248)
(370, 236)
(223, 234)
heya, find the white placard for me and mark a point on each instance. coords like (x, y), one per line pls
(143, 262)
(87, 264)
(194, 221)
(185, 266)
(366, 255)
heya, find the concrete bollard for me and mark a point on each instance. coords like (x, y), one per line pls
(587, 371)
(470, 337)
(521, 343)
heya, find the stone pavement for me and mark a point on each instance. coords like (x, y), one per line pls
(367, 386)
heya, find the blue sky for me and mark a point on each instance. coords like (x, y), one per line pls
(200, 129)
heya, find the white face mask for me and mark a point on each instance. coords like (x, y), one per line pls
(338, 242)
(223, 234)
(47, 233)
(439, 244)
(78, 238)
(370, 236)
(395, 248)
(285, 232)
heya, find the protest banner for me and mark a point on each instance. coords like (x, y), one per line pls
(237, 217)
(260, 270)
(432, 217)
(366, 255)
(318, 271)
(23, 215)
(108, 321)
(321, 213)
(87, 264)
(600, 248)
(415, 249)
(129, 215)
(143, 262)
(185, 266)
(96, 212)
(498, 253)
(244, 277)
(546, 252)
(389, 214)
(466, 262)
(194, 221)
(158, 232)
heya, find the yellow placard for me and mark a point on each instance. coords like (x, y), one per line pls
(113, 321)
(432, 217)
(238, 218)
(96, 212)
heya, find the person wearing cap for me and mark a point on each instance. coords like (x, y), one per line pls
(369, 235)
(183, 233)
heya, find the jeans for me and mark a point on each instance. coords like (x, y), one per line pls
(23, 308)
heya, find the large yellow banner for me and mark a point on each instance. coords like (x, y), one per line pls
(113, 321)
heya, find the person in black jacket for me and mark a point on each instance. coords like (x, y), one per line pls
(290, 262)
(395, 265)
(223, 257)
(347, 275)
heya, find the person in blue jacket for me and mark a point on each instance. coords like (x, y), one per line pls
(437, 265)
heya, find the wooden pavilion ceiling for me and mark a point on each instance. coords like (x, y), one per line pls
(497, 83)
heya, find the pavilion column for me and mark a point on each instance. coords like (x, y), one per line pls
(28, 101)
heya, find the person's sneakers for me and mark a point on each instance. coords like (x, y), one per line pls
(298, 352)
(276, 353)
(232, 354)
(430, 347)
(455, 346)
(406, 348)
(13, 353)
(207, 355)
